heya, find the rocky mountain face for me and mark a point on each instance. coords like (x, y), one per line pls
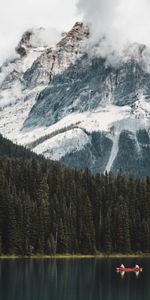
(71, 106)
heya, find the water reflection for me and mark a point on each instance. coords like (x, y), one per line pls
(71, 280)
(137, 274)
(122, 274)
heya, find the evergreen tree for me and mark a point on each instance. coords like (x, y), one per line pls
(107, 234)
(45, 208)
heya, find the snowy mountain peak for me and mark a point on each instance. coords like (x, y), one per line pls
(55, 60)
(78, 33)
(69, 105)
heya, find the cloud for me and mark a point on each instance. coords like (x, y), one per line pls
(44, 37)
(120, 20)
(114, 26)
(18, 15)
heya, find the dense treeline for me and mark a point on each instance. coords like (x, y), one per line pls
(47, 209)
(7, 148)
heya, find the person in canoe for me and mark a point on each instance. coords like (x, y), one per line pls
(137, 267)
(122, 268)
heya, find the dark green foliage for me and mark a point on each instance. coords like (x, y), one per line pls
(107, 234)
(7, 148)
(47, 209)
(57, 210)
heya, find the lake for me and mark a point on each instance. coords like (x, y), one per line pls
(72, 279)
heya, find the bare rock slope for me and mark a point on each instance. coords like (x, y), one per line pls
(71, 106)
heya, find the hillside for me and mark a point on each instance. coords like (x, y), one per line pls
(11, 150)
(70, 104)
(45, 209)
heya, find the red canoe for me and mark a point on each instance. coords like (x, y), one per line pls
(129, 269)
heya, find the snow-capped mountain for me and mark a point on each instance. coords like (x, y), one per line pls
(70, 105)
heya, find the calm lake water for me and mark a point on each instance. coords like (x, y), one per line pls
(88, 279)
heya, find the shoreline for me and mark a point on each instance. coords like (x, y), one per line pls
(77, 256)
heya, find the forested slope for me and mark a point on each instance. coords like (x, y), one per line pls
(47, 209)
(7, 148)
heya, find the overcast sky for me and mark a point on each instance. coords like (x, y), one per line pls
(119, 20)
(18, 15)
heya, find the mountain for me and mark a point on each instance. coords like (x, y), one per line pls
(74, 106)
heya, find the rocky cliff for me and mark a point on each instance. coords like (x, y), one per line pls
(69, 105)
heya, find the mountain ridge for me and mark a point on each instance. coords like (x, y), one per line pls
(71, 106)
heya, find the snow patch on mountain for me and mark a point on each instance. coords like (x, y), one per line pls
(62, 144)
(60, 101)
(112, 120)
(100, 120)
(114, 152)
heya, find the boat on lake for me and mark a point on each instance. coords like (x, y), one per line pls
(129, 269)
